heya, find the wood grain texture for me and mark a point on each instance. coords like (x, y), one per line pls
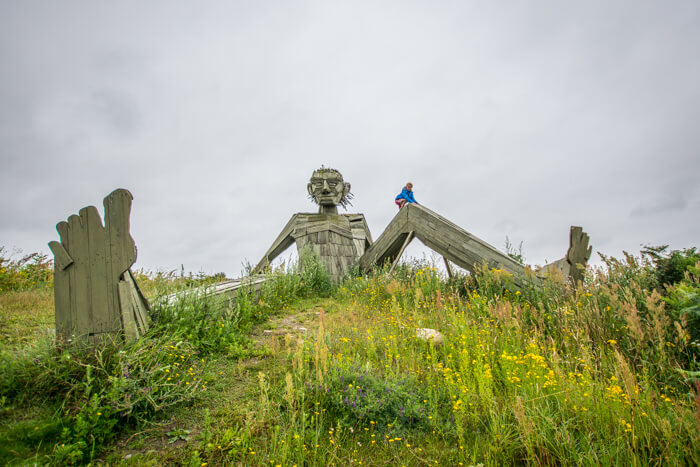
(448, 268)
(439, 234)
(61, 256)
(90, 262)
(338, 240)
(405, 244)
(61, 288)
(574, 262)
(131, 329)
(579, 253)
(283, 241)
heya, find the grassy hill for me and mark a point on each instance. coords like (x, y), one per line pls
(307, 373)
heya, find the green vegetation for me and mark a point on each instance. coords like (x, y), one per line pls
(31, 272)
(307, 373)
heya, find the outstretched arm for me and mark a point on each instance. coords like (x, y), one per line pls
(284, 240)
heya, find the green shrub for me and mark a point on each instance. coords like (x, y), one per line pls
(358, 399)
(155, 284)
(279, 291)
(209, 323)
(97, 393)
(33, 271)
(315, 279)
(683, 301)
(670, 267)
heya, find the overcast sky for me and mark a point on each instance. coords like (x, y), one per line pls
(515, 118)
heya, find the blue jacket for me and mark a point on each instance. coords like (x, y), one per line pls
(407, 195)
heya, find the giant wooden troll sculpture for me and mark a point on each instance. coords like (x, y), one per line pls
(339, 240)
(97, 296)
(343, 240)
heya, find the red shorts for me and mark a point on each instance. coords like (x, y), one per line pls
(398, 202)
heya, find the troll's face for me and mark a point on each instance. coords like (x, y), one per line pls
(327, 188)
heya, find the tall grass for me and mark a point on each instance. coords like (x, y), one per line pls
(30, 272)
(88, 396)
(539, 375)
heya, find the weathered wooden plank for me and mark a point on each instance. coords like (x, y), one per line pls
(409, 237)
(104, 317)
(86, 291)
(579, 253)
(419, 216)
(359, 245)
(438, 234)
(138, 307)
(122, 248)
(143, 299)
(62, 294)
(574, 262)
(347, 233)
(139, 302)
(283, 241)
(346, 250)
(61, 257)
(358, 222)
(316, 227)
(80, 294)
(561, 265)
(378, 251)
(131, 331)
(448, 267)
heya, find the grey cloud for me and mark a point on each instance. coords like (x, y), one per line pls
(659, 206)
(510, 119)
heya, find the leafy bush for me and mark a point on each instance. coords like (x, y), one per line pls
(209, 323)
(315, 279)
(683, 300)
(542, 373)
(33, 271)
(155, 284)
(670, 267)
(97, 393)
(360, 399)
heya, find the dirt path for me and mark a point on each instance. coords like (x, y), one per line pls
(231, 397)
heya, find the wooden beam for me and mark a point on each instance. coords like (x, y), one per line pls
(448, 267)
(409, 237)
(442, 236)
(283, 241)
(386, 243)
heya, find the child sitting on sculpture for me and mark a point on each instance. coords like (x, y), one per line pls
(406, 196)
